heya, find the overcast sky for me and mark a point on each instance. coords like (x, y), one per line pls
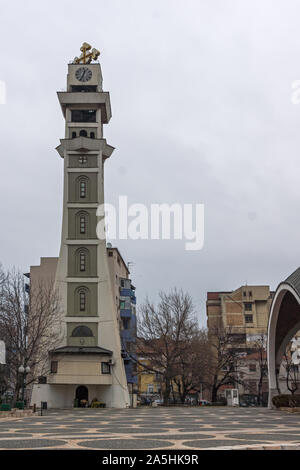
(202, 113)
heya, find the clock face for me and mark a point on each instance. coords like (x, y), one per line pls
(83, 74)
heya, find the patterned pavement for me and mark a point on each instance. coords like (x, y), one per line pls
(153, 428)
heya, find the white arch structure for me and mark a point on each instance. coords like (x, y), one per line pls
(284, 322)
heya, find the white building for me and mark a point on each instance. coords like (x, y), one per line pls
(87, 362)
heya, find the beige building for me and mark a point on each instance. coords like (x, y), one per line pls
(45, 272)
(244, 311)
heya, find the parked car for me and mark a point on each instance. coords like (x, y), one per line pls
(204, 402)
(159, 401)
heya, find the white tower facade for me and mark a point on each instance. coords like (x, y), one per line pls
(87, 364)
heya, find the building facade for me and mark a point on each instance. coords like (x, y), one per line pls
(87, 363)
(244, 311)
(243, 314)
(125, 298)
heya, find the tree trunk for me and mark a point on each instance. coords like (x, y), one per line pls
(166, 393)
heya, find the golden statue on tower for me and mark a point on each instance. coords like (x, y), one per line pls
(87, 55)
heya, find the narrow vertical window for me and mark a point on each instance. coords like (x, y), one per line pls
(82, 188)
(82, 224)
(82, 301)
(82, 260)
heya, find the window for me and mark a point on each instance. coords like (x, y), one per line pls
(53, 367)
(82, 330)
(92, 135)
(244, 293)
(83, 133)
(83, 88)
(82, 224)
(252, 387)
(250, 293)
(42, 379)
(82, 160)
(237, 337)
(82, 261)
(126, 323)
(82, 301)
(105, 368)
(83, 115)
(73, 135)
(252, 367)
(248, 306)
(249, 318)
(110, 253)
(150, 389)
(83, 187)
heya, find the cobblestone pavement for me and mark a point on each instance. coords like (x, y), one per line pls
(154, 428)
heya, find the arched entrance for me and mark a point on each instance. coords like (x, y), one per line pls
(82, 393)
(284, 322)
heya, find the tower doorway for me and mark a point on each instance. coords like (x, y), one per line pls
(82, 393)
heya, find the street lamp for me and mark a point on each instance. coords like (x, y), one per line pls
(24, 371)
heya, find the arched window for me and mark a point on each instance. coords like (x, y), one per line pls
(73, 135)
(82, 331)
(83, 187)
(92, 135)
(82, 261)
(82, 258)
(83, 133)
(82, 301)
(82, 222)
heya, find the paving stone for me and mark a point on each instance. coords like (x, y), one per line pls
(29, 444)
(125, 444)
(202, 444)
(177, 436)
(264, 437)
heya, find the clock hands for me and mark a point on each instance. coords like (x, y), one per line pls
(82, 75)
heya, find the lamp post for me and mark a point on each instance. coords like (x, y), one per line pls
(24, 371)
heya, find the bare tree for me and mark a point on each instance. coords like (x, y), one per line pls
(260, 350)
(165, 332)
(29, 325)
(191, 365)
(224, 360)
(291, 370)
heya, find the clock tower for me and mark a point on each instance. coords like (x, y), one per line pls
(87, 364)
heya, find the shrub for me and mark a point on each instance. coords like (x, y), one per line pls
(286, 401)
(98, 404)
